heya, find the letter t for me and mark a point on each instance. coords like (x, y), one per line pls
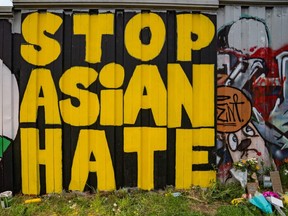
(145, 141)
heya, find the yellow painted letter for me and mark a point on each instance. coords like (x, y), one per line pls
(41, 50)
(198, 24)
(111, 107)
(145, 141)
(150, 49)
(146, 77)
(112, 76)
(198, 100)
(32, 157)
(40, 81)
(92, 142)
(93, 27)
(185, 177)
(83, 108)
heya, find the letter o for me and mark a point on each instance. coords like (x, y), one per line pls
(133, 43)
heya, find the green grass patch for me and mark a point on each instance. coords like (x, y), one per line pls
(119, 203)
(170, 202)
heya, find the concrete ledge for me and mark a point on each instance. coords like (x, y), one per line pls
(150, 4)
(269, 3)
(5, 12)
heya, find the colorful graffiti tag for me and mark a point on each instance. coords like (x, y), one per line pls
(109, 100)
(258, 74)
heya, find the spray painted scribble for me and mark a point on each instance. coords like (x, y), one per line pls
(233, 109)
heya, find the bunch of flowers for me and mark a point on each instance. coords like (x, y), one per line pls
(283, 170)
(284, 166)
(250, 165)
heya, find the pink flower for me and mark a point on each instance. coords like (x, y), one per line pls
(270, 193)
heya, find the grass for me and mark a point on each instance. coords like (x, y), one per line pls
(117, 203)
(125, 202)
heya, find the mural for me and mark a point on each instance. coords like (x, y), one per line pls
(9, 103)
(255, 78)
(110, 100)
(9, 107)
(104, 100)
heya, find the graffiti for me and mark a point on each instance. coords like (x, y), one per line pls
(246, 143)
(238, 65)
(110, 117)
(260, 74)
(127, 99)
(230, 105)
(9, 100)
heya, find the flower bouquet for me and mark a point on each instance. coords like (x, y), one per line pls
(246, 172)
(283, 170)
(251, 166)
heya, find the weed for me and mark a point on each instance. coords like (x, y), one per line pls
(223, 192)
(239, 210)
